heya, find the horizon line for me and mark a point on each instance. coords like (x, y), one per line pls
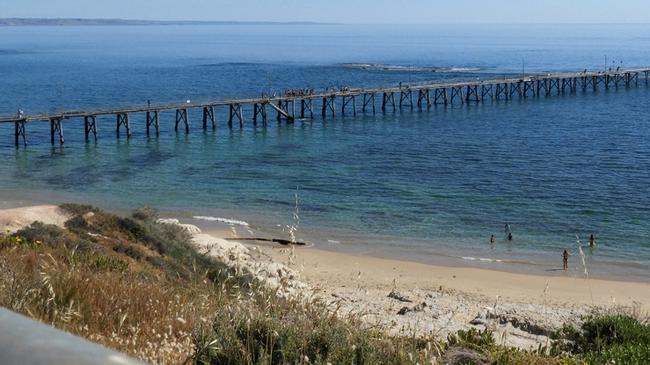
(69, 21)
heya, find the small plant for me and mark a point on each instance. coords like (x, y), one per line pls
(618, 338)
(472, 338)
(108, 263)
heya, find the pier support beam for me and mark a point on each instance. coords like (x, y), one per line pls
(424, 98)
(502, 90)
(529, 87)
(457, 92)
(306, 106)
(349, 99)
(406, 98)
(182, 117)
(440, 96)
(329, 103)
(515, 87)
(259, 110)
(235, 112)
(388, 99)
(90, 126)
(472, 94)
(20, 132)
(152, 119)
(486, 90)
(56, 129)
(123, 120)
(208, 116)
(368, 101)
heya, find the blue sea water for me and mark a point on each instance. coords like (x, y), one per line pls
(425, 185)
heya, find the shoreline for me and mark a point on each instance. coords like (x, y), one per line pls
(317, 263)
(410, 298)
(405, 297)
(521, 260)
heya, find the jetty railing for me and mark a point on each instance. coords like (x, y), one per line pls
(25, 341)
(301, 107)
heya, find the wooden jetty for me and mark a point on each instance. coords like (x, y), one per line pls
(291, 108)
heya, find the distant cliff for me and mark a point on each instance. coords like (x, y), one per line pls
(80, 21)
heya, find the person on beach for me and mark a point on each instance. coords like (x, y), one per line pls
(592, 241)
(565, 260)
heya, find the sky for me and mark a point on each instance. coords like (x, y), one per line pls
(342, 11)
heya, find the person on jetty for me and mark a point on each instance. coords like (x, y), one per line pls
(592, 241)
(565, 260)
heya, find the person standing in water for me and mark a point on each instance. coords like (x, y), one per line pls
(565, 260)
(492, 239)
(592, 241)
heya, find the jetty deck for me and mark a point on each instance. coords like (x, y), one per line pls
(290, 108)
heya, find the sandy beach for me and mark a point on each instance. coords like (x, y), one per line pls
(407, 297)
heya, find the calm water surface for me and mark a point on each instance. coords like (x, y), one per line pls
(431, 185)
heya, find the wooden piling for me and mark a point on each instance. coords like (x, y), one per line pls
(56, 129)
(152, 119)
(259, 110)
(440, 96)
(235, 112)
(424, 98)
(20, 132)
(457, 93)
(388, 99)
(306, 106)
(90, 126)
(123, 120)
(182, 117)
(348, 99)
(208, 116)
(368, 100)
(406, 95)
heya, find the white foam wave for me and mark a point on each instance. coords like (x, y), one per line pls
(230, 222)
(482, 259)
(384, 67)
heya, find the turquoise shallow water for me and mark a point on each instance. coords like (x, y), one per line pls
(431, 185)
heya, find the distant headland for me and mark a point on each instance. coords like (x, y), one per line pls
(118, 22)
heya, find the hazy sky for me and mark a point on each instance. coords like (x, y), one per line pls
(346, 11)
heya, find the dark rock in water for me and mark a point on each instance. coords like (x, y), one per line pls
(398, 296)
(463, 356)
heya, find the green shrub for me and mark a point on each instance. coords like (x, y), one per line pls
(108, 263)
(129, 250)
(39, 233)
(619, 339)
(78, 209)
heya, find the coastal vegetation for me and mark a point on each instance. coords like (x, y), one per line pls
(139, 286)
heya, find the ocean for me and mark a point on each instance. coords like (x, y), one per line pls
(430, 186)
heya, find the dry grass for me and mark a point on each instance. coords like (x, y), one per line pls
(139, 287)
(136, 309)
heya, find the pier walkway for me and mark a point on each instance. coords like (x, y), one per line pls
(332, 102)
